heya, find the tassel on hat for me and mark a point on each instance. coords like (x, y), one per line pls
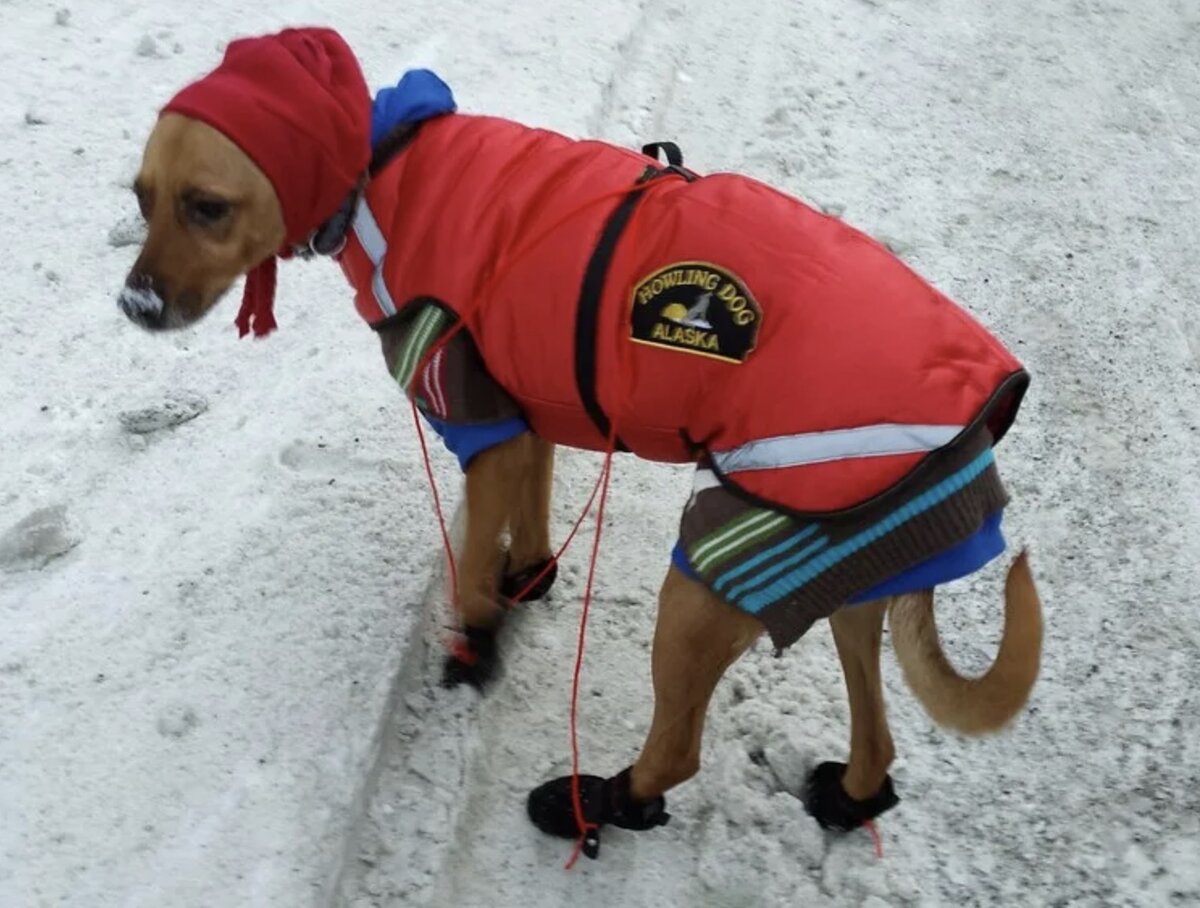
(258, 301)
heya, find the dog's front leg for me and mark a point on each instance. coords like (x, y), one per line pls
(495, 480)
(698, 636)
(844, 796)
(530, 571)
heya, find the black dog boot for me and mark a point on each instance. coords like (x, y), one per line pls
(604, 801)
(514, 585)
(826, 800)
(474, 660)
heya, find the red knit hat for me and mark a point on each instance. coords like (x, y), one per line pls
(297, 104)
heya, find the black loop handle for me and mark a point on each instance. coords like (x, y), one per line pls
(670, 149)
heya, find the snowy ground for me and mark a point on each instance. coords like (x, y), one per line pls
(218, 581)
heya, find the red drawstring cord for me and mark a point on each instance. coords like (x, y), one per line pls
(459, 325)
(437, 503)
(576, 803)
(437, 506)
(442, 341)
(602, 486)
(627, 380)
(876, 838)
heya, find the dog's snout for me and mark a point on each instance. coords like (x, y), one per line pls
(141, 301)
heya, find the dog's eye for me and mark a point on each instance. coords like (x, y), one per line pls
(206, 212)
(144, 199)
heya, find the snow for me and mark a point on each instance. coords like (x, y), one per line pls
(220, 594)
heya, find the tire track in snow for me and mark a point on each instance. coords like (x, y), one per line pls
(628, 49)
(641, 81)
(406, 710)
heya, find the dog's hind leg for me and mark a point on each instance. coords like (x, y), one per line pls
(698, 636)
(858, 634)
(529, 573)
(845, 796)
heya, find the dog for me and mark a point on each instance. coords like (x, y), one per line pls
(532, 290)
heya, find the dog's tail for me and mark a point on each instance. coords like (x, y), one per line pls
(972, 706)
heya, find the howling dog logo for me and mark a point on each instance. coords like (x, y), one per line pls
(697, 308)
(690, 318)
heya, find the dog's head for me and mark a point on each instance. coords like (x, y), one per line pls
(242, 164)
(211, 215)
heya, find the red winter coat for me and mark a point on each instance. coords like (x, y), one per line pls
(710, 315)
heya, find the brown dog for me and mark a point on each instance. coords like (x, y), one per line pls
(214, 215)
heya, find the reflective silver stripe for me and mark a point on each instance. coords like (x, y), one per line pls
(841, 444)
(370, 237)
(382, 294)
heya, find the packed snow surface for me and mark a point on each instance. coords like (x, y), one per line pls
(220, 582)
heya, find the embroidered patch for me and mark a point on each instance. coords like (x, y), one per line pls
(697, 308)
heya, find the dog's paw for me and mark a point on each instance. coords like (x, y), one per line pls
(602, 801)
(473, 660)
(826, 800)
(529, 584)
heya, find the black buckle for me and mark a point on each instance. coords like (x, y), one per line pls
(329, 239)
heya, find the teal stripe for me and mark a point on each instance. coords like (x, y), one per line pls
(930, 498)
(767, 555)
(803, 555)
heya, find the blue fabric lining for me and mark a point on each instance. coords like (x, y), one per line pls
(464, 442)
(680, 560)
(966, 558)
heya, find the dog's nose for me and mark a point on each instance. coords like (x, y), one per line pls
(141, 301)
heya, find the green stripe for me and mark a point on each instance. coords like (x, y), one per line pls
(406, 347)
(728, 531)
(423, 332)
(725, 529)
(723, 554)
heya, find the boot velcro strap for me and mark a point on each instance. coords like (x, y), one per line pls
(622, 810)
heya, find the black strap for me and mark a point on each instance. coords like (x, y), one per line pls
(587, 314)
(392, 144)
(670, 149)
(330, 238)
